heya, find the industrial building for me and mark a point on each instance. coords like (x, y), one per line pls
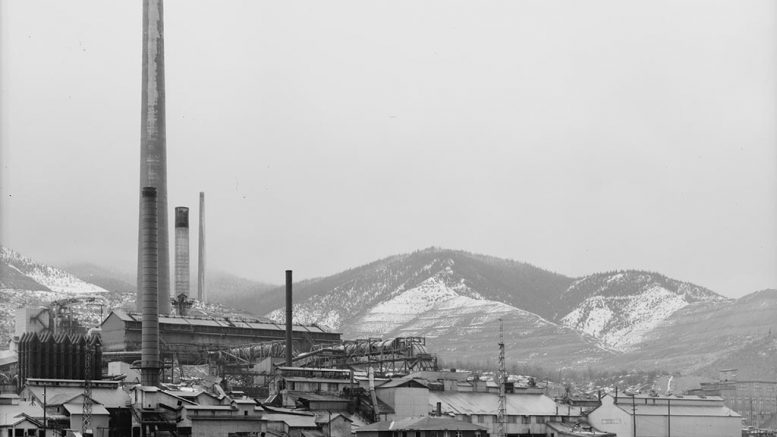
(755, 400)
(643, 415)
(190, 338)
(58, 356)
(423, 427)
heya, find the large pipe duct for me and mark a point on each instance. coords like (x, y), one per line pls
(153, 154)
(182, 271)
(149, 327)
(288, 318)
(201, 252)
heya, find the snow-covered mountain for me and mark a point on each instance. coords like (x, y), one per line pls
(456, 299)
(20, 272)
(27, 283)
(341, 299)
(620, 308)
(453, 300)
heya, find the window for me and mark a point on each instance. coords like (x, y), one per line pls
(512, 419)
(540, 419)
(481, 418)
(525, 420)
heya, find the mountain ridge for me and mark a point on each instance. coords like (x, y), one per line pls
(456, 300)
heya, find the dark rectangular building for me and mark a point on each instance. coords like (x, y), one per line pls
(191, 337)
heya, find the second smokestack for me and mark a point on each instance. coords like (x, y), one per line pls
(182, 251)
(288, 317)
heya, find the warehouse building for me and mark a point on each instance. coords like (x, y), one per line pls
(666, 416)
(190, 338)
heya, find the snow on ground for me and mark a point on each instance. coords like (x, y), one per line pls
(620, 322)
(53, 278)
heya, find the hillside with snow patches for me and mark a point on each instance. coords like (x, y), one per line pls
(456, 300)
(27, 283)
(24, 273)
(620, 308)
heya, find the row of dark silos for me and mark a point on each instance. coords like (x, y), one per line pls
(58, 356)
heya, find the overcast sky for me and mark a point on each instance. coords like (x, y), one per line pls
(577, 136)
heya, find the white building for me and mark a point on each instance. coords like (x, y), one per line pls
(666, 416)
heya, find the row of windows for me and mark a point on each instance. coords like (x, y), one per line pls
(432, 434)
(525, 420)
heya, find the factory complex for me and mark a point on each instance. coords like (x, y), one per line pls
(161, 371)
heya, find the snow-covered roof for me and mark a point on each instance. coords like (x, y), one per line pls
(577, 430)
(110, 398)
(407, 381)
(293, 420)
(689, 410)
(422, 424)
(487, 403)
(224, 322)
(97, 410)
(10, 414)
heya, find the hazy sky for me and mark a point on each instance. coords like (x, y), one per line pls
(577, 136)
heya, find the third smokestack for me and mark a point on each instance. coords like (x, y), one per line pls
(182, 271)
(201, 295)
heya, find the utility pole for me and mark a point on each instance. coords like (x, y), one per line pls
(501, 380)
(634, 413)
(45, 422)
(86, 412)
(668, 418)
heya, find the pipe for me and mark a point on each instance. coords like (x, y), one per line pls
(149, 334)
(182, 271)
(288, 318)
(201, 252)
(153, 149)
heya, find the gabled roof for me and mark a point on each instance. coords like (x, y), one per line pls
(422, 424)
(9, 414)
(432, 375)
(108, 397)
(577, 430)
(518, 404)
(97, 409)
(292, 420)
(690, 410)
(223, 322)
(317, 397)
(178, 398)
(326, 417)
(406, 381)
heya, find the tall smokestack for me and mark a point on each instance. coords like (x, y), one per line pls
(153, 154)
(149, 325)
(288, 317)
(201, 252)
(182, 271)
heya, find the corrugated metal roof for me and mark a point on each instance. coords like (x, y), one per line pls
(79, 408)
(293, 420)
(9, 413)
(303, 379)
(422, 424)
(210, 407)
(487, 403)
(408, 381)
(577, 430)
(217, 322)
(110, 398)
(689, 410)
(315, 396)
